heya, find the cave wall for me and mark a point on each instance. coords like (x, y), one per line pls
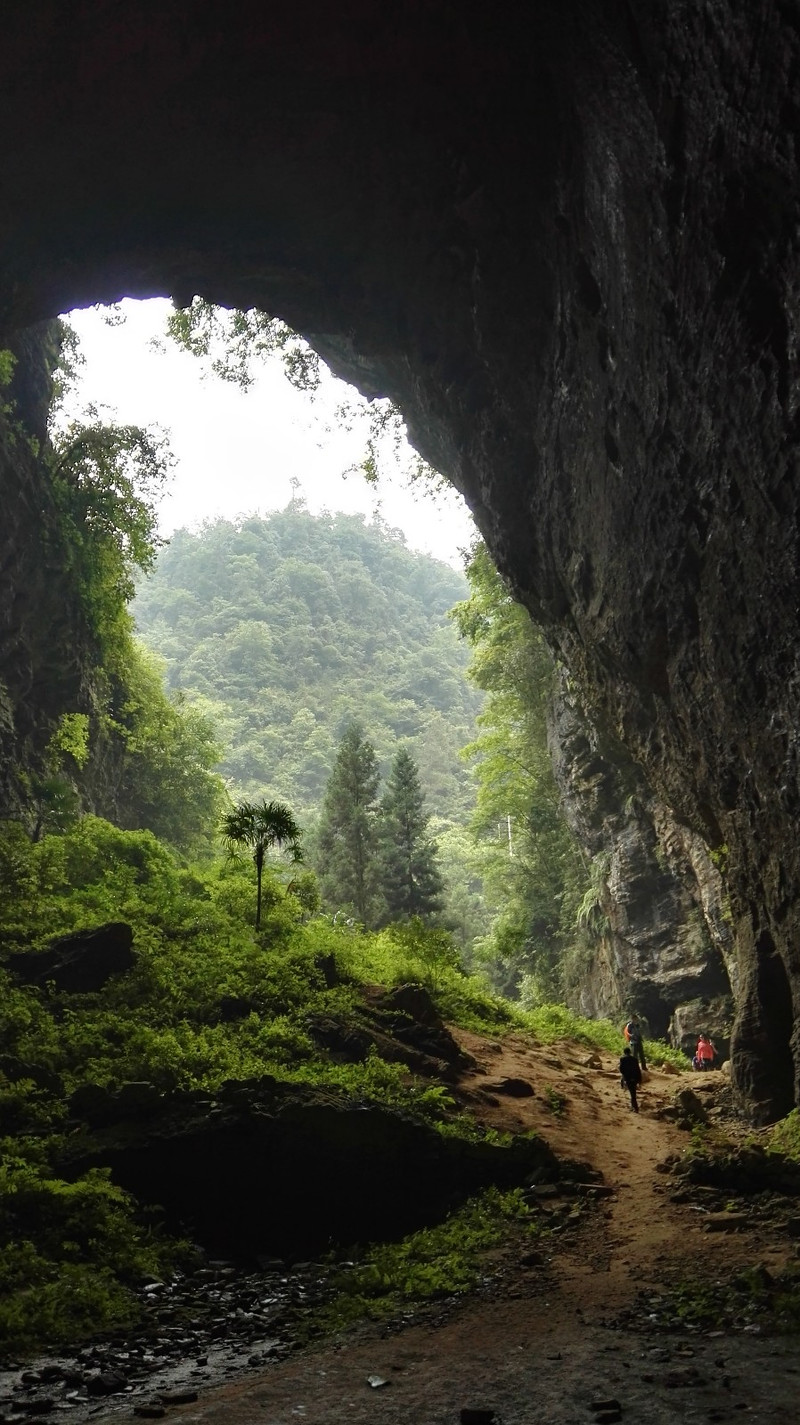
(659, 940)
(565, 240)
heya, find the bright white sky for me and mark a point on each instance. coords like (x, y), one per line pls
(237, 452)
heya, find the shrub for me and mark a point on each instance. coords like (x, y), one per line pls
(68, 1251)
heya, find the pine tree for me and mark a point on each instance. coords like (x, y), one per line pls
(410, 879)
(346, 843)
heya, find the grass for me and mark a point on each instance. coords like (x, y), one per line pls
(556, 1100)
(751, 1297)
(434, 1263)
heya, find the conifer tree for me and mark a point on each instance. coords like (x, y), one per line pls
(410, 878)
(346, 843)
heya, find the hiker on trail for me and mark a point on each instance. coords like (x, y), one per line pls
(704, 1054)
(634, 1036)
(631, 1076)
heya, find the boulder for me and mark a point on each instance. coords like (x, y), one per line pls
(512, 1088)
(689, 1109)
(235, 1007)
(415, 1001)
(80, 963)
(99, 1106)
(430, 1053)
(16, 1070)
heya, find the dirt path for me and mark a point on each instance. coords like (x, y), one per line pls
(542, 1349)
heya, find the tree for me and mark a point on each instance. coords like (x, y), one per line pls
(106, 482)
(258, 828)
(346, 841)
(166, 750)
(532, 870)
(410, 878)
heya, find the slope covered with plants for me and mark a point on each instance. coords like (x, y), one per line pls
(286, 628)
(204, 1006)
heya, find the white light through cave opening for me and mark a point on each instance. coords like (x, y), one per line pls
(244, 452)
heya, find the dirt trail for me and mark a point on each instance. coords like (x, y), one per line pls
(541, 1350)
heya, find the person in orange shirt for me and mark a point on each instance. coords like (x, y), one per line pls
(635, 1037)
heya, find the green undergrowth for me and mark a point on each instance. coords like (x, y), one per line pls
(785, 1137)
(69, 1254)
(752, 1298)
(208, 1000)
(551, 1022)
(434, 1263)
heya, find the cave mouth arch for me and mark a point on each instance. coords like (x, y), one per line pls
(541, 232)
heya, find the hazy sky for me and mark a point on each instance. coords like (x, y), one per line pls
(237, 452)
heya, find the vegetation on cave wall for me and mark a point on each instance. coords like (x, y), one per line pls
(532, 870)
(85, 722)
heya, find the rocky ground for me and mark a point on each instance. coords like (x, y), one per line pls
(594, 1327)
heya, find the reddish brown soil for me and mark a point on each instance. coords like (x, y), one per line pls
(541, 1346)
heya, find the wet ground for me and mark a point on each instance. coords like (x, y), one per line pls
(214, 1324)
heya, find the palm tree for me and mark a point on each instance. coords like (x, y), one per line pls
(258, 828)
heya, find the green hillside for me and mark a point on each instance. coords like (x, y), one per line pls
(287, 627)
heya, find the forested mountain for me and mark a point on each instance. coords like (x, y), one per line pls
(287, 627)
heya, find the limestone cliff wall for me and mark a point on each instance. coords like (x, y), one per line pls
(565, 239)
(660, 941)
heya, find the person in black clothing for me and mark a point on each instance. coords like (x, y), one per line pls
(631, 1077)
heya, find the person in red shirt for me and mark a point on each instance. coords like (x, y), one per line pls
(704, 1054)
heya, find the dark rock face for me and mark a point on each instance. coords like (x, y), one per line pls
(304, 1168)
(404, 1027)
(564, 238)
(661, 942)
(80, 963)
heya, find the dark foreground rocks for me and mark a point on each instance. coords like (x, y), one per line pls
(81, 963)
(268, 1167)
